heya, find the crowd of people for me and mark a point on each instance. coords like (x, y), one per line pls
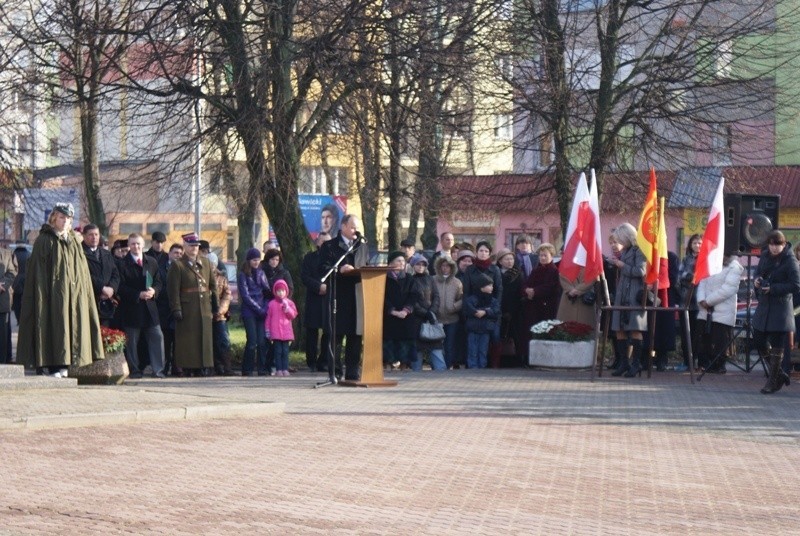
(465, 306)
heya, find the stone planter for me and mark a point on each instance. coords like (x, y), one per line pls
(560, 354)
(109, 371)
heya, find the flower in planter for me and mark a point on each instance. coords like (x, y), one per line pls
(113, 340)
(556, 330)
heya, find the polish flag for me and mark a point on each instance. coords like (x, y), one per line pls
(583, 248)
(709, 259)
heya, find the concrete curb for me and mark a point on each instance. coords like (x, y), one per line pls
(184, 413)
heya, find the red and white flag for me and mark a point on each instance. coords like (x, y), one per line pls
(582, 247)
(709, 259)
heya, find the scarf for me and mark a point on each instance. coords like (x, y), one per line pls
(482, 265)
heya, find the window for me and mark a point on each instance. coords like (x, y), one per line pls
(506, 10)
(505, 66)
(153, 227)
(721, 144)
(184, 227)
(128, 228)
(723, 58)
(54, 147)
(315, 180)
(210, 226)
(503, 127)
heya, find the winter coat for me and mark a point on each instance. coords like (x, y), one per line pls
(346, 305)
(223, 296)
(135, 312)
(315, 303)
(511, 302)
(472, 280)
(21, 256)
(59, 325)
(573, 309)
(451, 293)
(190, 286)
(546, 291)
(161, 257)
(104, 273)
(252, 291)
(274, 274)
(719, 291)
(427, 303)
(685, 281)
(401, 293)
(8, 272)
(488, 322)
(775, 311)
(162, 300)
(280, 313)
(631, 281)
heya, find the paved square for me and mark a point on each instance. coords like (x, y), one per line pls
(463, 452)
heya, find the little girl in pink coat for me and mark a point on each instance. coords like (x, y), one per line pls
(280, 312)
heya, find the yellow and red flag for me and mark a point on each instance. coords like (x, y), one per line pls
(651, 236)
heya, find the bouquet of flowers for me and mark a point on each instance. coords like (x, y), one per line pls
(113, 340)
(556, 330)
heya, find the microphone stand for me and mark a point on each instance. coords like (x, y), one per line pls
(332, 274)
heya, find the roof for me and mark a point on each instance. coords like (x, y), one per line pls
(695, 187)
(535, 192)
(686, 188)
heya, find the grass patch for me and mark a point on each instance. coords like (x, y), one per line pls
(238, 337)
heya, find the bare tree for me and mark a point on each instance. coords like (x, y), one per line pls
(622, 84)
(66, 52)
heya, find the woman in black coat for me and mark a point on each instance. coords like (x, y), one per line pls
(274, 270)
(777, 277)
(399, 328)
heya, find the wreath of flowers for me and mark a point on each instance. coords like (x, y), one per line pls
(113, 340)
(556, 330)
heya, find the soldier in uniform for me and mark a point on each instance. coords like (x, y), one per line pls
(192, 288)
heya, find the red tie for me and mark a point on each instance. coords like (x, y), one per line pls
(139, 262)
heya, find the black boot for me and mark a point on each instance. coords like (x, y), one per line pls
(621, 349)
(617, 355)
(661, 361)
(777, 377)
(767, 359)
(636, 358)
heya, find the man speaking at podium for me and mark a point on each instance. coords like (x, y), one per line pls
(346, 312)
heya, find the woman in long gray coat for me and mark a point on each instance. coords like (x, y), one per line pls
(629, 326)
(777, 277)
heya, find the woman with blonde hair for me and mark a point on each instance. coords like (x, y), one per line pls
(628, 326)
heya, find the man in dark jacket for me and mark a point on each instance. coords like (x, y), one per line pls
(348, 244)
(316, 292)
(165, 314)
(8, 272)
(157, 248)
(104, 274)
(140, 284)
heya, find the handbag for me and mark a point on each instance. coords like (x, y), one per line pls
(509, 346)
(589, 297)
(432, 331)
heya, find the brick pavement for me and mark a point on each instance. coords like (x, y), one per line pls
(467, 452)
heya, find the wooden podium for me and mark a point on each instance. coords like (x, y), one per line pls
(373, 289)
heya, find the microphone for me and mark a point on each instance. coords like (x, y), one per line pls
(360, 238)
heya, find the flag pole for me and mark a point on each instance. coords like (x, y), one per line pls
(599, 356)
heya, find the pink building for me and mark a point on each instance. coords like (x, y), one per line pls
(499, 208)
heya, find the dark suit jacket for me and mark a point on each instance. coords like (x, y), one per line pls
(8, 271)
(104, 273)
(346, 311)
(315, 304)
(136, 313)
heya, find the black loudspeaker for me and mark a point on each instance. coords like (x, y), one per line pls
(748, 221)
